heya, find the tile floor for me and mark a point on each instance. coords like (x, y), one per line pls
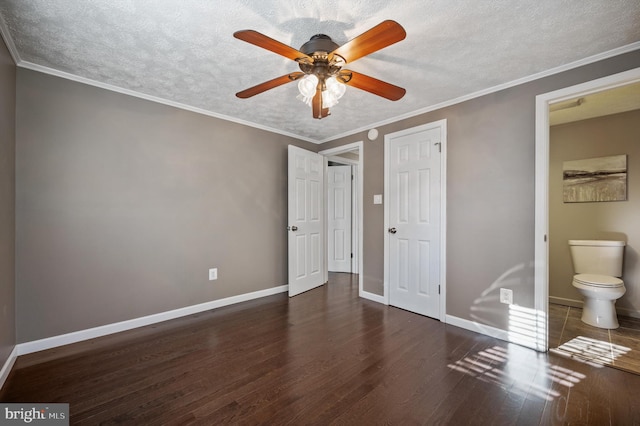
(569, 336)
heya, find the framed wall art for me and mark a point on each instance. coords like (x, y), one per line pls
(595, 179)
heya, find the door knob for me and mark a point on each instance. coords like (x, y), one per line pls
(292, 228)
(392, 230)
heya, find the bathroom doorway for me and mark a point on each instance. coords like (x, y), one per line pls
(575, 123)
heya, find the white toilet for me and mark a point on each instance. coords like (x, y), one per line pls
(598, 266)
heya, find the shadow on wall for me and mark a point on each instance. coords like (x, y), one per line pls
(630, 259)
(523, 322)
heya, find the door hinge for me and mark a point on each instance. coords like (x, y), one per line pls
(351, 177)
(352, 255)
(438, 289)
(439, 145)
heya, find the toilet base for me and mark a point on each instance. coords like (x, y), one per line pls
(600, 313)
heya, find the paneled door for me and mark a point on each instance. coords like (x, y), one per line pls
(306, 221)
(413, 219)
(339, 218)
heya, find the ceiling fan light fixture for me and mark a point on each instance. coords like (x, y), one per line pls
(321, 79)
(307, 87)
(305, 99)
(334, 90)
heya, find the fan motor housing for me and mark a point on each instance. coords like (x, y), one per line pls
(319, 47)
(319, 43)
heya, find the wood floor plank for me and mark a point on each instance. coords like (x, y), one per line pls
(323, 357)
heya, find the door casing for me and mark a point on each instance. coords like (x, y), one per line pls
(328, 153)
(541, 256)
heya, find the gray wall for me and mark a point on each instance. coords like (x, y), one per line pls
(7, 203)
(490, 193)
(598, 137)
(124, 204)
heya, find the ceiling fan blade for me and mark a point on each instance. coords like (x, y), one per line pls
(371, 85)
(261, 40)
(262, 87)
(378, 37)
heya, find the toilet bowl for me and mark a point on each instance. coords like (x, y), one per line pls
(598, 266)
(599, 293)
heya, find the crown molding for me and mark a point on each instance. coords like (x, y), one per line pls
(4, 31)
(110, 87)
(552, 71)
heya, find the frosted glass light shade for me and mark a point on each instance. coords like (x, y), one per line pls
(334, 91)
(334, 87)
(307, 85)
(330, 95)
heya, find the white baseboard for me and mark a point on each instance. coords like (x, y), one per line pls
(487, 330)
(625, 312)
(8, 365)
(91, 333)
(628, 312)
(371, 296)
(528, 339)
(565, 302)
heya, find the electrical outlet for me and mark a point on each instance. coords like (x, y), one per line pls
(506, 296)
(213, 274)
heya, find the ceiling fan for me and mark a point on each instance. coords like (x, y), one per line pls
(321, 77)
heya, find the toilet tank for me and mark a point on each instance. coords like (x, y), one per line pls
(597, 257)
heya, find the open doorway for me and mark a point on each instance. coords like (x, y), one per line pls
(338, 239)
(341, 250)
(550, 108)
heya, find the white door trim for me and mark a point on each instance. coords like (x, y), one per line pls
(442, 124)
(541, 257)
(328, 153)
(345, 161)
(356, 205)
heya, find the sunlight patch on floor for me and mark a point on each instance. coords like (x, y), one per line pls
(493, 365)
(594, 352)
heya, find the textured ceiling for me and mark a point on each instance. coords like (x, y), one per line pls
(183, 51)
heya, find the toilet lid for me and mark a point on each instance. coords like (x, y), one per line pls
(598, 280)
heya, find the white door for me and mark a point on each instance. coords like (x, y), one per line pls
(339, 218)
(306, 223)
(413, 218)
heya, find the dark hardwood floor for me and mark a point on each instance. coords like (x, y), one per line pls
(323, 357)
(618, 348)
